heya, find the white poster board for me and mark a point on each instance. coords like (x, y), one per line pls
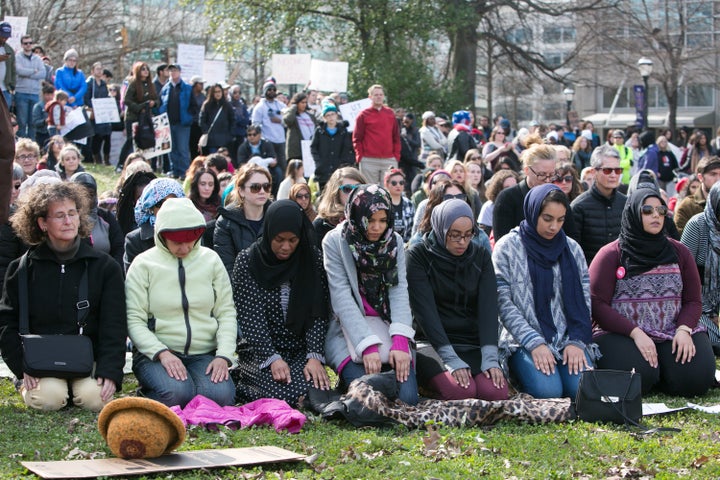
(105, 110)
(163, 140)
(19, 27)
(351, 110)
(214, 71)
(291, 69)
(328, 76)
(73, 119)
(307, 158)
(190, 58)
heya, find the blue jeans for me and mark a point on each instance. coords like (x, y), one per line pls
(407, 391)
(156, 384)
(180, 153)
(24, 103)
(561, 383)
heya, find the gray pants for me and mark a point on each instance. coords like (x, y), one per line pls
(374, 169)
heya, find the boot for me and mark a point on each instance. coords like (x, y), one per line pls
(96, 159)
(106, 160)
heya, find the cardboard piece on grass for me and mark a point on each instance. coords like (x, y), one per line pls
(113, 467)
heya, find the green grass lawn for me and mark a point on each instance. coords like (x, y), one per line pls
(507, 450)
(340, 451)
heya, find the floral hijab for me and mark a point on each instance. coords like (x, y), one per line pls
(155, 192)
(376, 262)
(711, 282)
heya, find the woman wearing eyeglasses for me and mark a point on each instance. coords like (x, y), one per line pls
(544, 299)
(331, 207)
(402, 208)
(647, 302)
(240, 224)
(566, 178)
(365, 264)
(300, 193)
(453, 295)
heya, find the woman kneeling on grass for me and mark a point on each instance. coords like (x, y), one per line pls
(54, 218)
(453, 294)
(181, 318)
(281, 297)
(544, 299)
(365, 265)
(646, 303)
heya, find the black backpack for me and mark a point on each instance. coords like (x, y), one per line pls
(145, 134)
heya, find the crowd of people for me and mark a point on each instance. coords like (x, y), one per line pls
(462, 256)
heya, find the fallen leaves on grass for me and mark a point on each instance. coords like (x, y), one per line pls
(439, 449)
(77, 454)
(630, 469)
(699, 462)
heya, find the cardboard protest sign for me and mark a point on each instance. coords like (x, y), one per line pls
(351, 110)
(163, 140)
(191, 59)
(328, 76)
(291, 69)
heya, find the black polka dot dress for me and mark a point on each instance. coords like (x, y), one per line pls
(263, 338)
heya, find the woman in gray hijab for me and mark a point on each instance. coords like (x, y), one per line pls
(453, 296)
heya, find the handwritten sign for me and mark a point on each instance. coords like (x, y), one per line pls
(291, 69)
(19, 27)
(214, 71)
(163, 141)
(328, 76)
(105, 110)
(191, 59)
(351, 110)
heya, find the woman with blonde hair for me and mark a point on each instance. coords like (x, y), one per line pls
(331, 208)
(458, 171)
(240, 224)
(582, 150)
(70, 162)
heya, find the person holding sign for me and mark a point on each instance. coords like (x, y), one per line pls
(97, 88)
(376, 137)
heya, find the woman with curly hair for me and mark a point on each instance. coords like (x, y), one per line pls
(53, 219)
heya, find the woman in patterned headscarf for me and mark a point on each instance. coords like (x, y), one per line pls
(365, 264)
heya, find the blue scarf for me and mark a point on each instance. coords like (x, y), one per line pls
(542, 255)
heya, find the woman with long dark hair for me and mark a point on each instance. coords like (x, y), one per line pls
(139, 96)
(204, 193)
(216, 120)
(299, 125)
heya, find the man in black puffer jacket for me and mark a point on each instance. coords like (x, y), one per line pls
(598, 211)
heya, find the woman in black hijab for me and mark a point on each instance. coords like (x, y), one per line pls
(281, 297)
(646, 303)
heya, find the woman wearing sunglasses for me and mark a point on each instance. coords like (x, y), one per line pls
(331, 207)
(402, 208)
(300, 193)
(646, 303)
(240, 224)
(365, 264)
(544, 299)
(566, 178)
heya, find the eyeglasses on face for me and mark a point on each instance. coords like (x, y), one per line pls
(255, 187)
(395, 183)
(347, 188)
(608, 170)
(16, 186)
(648, 210)
(459, 196)
(27, 43)
(457, 237)
(562, 179)
(541, 176)
(26, 156)
(61, 217)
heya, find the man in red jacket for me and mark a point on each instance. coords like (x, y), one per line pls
(376, 137)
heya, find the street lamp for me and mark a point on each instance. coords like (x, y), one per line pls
(568, 93)
(645, 65)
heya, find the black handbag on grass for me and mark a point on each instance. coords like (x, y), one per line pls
(609, 396)
(58, 356)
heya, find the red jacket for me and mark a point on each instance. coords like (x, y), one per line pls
(376, 134)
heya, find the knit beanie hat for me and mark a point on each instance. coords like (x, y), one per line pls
(268, 85)
(72, 53)
(328, 107)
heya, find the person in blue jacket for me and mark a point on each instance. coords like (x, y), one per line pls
(71, 79)
(175, 101)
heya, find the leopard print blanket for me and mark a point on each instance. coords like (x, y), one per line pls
(461, 413)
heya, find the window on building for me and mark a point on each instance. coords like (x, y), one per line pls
(559, 34)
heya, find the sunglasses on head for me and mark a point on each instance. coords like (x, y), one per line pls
(347, 189)
(255, 187)
(395, 183)
(608, 170)
(661, 210)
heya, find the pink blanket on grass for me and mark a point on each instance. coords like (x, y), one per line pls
(203, 411)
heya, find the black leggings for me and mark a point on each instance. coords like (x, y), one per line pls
(695, 377)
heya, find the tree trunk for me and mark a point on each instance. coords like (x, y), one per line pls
(464, 62)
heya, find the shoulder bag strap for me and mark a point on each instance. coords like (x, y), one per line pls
(83, 304)
(216, 117)
(24, 326)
